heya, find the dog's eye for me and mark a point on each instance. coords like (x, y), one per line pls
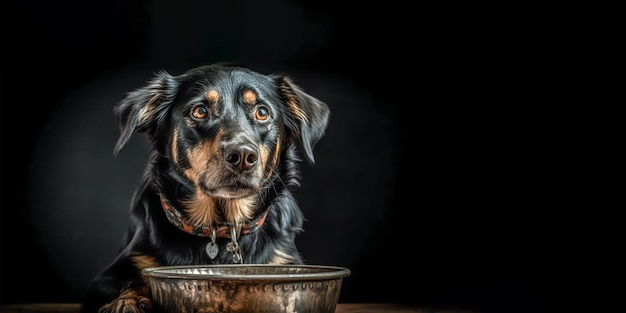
(262, 113)
(199, 112)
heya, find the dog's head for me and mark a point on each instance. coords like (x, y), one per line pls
(223, 129)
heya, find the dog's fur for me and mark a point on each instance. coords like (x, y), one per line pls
(226, 143)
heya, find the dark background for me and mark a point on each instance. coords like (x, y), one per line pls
(419, 184)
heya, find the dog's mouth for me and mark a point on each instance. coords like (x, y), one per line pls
(233, 189)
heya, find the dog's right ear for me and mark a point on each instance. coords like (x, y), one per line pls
(144, 109)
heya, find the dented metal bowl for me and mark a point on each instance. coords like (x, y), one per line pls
(246, 288)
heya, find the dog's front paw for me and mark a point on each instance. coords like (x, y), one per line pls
(128, 305)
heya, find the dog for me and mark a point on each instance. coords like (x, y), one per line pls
(226, 144)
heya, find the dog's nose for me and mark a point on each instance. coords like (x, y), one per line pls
(242, 157)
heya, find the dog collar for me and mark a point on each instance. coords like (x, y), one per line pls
(221, 230)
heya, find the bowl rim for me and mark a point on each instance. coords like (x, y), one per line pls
(333, 272)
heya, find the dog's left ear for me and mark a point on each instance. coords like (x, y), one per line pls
(144, 109)
(309, 116)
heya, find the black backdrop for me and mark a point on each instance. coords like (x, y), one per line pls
(415, 188)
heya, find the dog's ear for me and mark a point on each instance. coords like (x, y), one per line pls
(144, 109)
(309, 116)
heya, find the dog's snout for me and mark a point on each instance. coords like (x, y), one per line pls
(241, 157)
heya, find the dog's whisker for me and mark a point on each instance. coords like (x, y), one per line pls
(272, 171)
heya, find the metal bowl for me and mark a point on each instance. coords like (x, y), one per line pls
(246, 288)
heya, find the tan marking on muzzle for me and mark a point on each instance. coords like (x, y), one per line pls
(276, 155)
(199, 156)
(202, 209)
(264, 157)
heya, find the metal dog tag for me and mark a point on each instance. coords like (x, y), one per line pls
(233, 247)
(212, 249)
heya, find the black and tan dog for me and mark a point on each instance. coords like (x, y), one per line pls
(226, 143)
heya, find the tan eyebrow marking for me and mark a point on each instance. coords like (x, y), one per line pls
(249, 97)
(212, 95)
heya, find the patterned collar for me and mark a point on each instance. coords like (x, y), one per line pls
(221, 230)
